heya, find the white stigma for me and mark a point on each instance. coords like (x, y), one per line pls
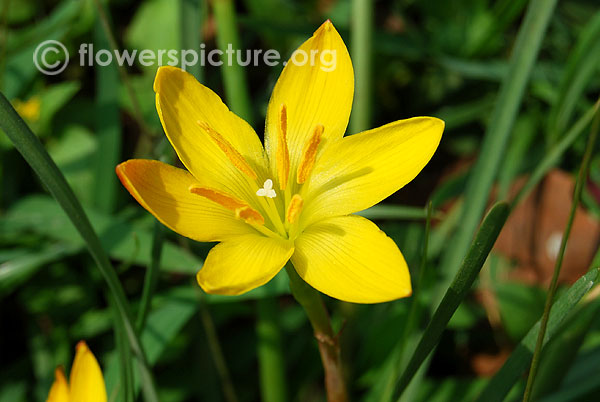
(267, 190)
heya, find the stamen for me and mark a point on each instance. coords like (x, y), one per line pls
(294, 209)
(309, 154)
(241, 208)
(267, 190)
(250, 215)
(232, 154)
(283, 155)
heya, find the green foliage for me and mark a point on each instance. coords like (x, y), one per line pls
(517, 84)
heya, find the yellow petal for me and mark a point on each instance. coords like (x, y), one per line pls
(86, 381)
(59, 392)
(182, 102)
(164, 191)
(363, 169)
(241, 264)
(351, 259)
(317, 92)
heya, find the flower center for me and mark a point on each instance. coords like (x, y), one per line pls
(267, 190)
(283, 216)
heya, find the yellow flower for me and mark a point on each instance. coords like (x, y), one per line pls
(85, 384)
(294, 198)
(29, 109)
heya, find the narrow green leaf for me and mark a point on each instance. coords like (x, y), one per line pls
(36, 156)
(484, 172)
(581, 65)
(552, 157)
(234, 76)
(402, 212)
(273, 387)
(384, 387)
(579, 185)
(108, 129)
(151, 278)
(191, 14)
(499, 386)
(561, 352)
(175, 309)
(121, 239)
(361, 51)
(20, 268)
(458, 290)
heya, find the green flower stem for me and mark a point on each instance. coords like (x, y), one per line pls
(581, 179)
(234, 78)
(36, 156)
(310, 300)
(361, 34)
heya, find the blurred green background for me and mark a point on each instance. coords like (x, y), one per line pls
(459, 61)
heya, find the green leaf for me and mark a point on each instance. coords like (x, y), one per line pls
(499, 386)
(121, 240)
(108, 129)
(163, 324)
(19, 269)
(581, 66)
(498, 132)
(36, 156)
(559, 356)
(458, 290)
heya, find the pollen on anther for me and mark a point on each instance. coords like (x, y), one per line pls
(230, 152)
(267, 190)
(309, 154)
(294, 209)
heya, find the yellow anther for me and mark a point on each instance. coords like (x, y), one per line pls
(241, 208)
(294, 209)
(309, 154)
(232, 154)
(250, 215)
(283, 154)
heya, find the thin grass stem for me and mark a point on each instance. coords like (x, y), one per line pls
(579, 184)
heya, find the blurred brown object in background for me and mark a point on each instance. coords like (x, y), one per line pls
(533, 232)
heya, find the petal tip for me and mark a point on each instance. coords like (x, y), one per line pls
(81, 347)
(164, 73)
(326, 27)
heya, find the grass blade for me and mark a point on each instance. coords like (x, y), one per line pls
(362, 30)
(151, 277)
(273, 387)
(560, 354)
(458, 290)
(36, 156)
(482, 177)
(579, 184)
(234, 77)
(401, 212)
(580, 68)
(191, 13)
(108, 130)
(499, 386)
(552, 157)
(384, 387)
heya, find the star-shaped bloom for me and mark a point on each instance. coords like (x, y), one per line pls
(294, 199)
